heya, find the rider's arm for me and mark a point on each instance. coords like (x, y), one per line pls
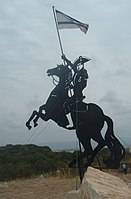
(69, 63)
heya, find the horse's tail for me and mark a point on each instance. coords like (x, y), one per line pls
(116, 148)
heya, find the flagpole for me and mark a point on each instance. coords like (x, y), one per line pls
(61, 48)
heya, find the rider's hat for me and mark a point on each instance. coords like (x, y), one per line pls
(81, 60)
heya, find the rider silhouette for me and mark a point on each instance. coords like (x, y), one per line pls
(79, 80)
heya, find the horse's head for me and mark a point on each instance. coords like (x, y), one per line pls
(60, 71)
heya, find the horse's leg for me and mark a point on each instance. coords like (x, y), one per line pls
(42, 116)
(86, 143)
(87, 149)
(41, 108)
(30, 119)
(101, 143)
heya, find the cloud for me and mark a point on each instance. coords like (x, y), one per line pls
(33, 102)
(29, 46)
(117, 105)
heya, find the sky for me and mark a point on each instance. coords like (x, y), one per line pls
(29, 47)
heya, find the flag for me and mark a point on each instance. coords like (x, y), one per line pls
(64, 21)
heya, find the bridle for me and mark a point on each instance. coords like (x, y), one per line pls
(55, 81)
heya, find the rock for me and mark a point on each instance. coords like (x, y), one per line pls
(74, 194)
(3, 184)
(100, 185)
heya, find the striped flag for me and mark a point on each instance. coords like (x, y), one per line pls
(64, 21)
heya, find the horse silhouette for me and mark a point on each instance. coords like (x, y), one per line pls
(88, 119)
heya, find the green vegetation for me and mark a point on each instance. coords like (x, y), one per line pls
(17, 161)
(21, 161)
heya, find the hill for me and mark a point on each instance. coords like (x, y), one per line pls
(24, 161)
(17, 161)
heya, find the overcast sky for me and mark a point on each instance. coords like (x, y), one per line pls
(29, 46)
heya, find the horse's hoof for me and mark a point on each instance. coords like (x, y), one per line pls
(86, 165)
(35, 124)
(28, 125)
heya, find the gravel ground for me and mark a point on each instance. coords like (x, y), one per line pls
(48, 188)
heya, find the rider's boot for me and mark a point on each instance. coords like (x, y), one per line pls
(72, 127)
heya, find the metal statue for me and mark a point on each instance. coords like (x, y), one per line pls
(88, 118)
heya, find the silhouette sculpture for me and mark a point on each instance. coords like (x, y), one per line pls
(88, 118)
